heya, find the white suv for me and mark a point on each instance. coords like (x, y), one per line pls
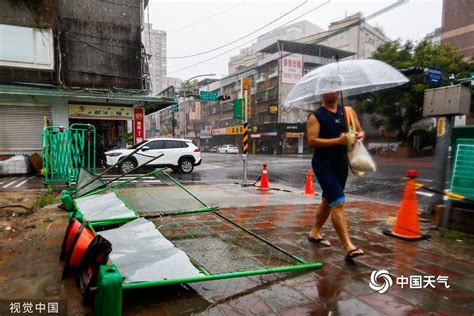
(178, 154)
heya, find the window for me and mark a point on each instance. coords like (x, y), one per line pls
(156, 144)
(171, 144)
(138, 145)
(184, 145)
(26, 47)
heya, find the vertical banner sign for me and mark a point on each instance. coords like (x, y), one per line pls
(247, 85)
(292, 68)
(138, 125)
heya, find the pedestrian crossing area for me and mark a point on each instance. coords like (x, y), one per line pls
(113, 179)
(15, 182)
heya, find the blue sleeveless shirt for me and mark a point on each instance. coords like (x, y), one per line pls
(332, 125)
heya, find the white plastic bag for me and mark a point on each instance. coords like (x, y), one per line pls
(360, 160)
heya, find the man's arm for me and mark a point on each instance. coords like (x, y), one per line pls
(312, 131)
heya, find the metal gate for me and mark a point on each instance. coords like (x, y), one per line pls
(66, 150)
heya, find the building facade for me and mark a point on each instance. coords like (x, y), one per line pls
(63, 64)
(457, 26)
(362, 39)
(273, 129)
(434, 37)
(249, 55)
(155, 46)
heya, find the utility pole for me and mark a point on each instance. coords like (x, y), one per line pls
(444, 103)
(246, 87)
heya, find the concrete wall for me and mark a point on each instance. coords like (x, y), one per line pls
(100, 43)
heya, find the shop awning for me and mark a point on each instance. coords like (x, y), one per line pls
(150, 103)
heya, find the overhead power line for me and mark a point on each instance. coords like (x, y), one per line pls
(242, 37)
(206, 18)
(250, 41)
(311, 44)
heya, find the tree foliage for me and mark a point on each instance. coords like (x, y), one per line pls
(397, 109)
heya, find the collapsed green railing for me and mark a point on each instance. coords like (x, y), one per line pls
(168, 199)
(66, 150)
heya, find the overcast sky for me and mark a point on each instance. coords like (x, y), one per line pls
(196, 26)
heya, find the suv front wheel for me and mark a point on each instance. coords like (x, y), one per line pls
(186, 165)
(127, 166)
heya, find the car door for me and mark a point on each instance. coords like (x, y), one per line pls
(157, 147)
(173, 151)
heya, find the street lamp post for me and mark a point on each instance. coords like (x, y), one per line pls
(184, 97)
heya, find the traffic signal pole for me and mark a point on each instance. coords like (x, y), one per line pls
(245, 138)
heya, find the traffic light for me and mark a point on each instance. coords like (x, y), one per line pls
(412, 71)
(223, 97)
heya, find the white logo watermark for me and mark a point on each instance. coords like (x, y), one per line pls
(381, 281)
(386, 281)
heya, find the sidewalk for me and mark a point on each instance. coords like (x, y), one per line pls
(29, 265)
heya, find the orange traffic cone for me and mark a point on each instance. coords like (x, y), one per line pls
(407, 226)
(264, 181)
(309, 183)
(81, 242)
(69, 236)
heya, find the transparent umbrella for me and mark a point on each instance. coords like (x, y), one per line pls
(351, 77)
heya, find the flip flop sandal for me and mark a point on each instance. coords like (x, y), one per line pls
(351, 254)
(318, 241)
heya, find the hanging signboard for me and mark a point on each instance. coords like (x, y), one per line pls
(138, 125)
(100, 112)
(292, 68)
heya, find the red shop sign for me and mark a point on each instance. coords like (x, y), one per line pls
(138, 125)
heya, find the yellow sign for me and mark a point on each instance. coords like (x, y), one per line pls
(273, 108)
(441, 127)
(294, 135)
(247, 86)
(100, 112)
(234, 130)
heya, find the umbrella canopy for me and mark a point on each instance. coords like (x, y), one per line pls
(352, 77)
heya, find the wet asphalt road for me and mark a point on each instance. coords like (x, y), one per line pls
(290, 172)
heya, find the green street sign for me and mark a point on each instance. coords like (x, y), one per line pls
(472, 78)
(208, 96)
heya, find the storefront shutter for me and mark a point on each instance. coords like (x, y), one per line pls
(21, 127)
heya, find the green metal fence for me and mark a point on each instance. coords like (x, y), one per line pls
(66, 150)
(82, 148)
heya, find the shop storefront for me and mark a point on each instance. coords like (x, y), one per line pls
(277, 138)
(25, 110)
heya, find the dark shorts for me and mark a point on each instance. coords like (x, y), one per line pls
(332, 179)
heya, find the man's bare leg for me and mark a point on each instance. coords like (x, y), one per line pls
(340, 225)
(322, 215)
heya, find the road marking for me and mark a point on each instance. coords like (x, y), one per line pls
(21, 183)
(426, 180)
(425, 193)
(9, 184)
